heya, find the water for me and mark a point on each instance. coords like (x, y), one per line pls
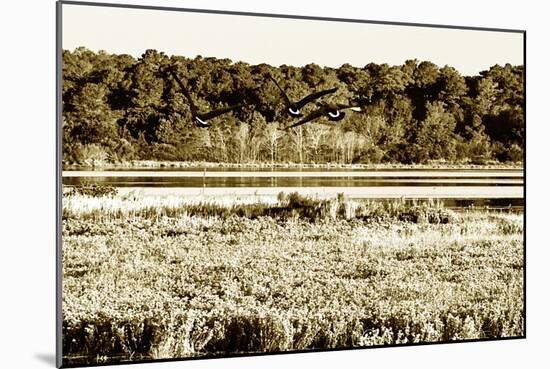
(142, 181)
(459, 188)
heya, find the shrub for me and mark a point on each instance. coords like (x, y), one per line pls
(92, 190)
(427, 214)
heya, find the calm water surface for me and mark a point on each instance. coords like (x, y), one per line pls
(281, 178)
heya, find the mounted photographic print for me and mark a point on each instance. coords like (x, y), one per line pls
(240, 184)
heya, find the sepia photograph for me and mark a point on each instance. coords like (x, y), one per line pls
(237, 184)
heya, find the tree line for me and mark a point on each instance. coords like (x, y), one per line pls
(117, 108)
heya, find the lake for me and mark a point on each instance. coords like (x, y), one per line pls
(492, 187)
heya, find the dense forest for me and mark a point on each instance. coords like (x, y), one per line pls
(117, 109)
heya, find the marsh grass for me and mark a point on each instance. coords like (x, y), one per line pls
(165, 277)
(82, 205)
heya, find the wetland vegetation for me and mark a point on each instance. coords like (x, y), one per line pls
(166, 277)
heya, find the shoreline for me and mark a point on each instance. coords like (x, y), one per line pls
(394, 192)
(147, 164)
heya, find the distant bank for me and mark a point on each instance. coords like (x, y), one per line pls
(145, 164)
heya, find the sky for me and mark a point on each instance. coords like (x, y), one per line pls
(278, 41)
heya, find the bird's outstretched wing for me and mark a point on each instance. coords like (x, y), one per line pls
(352, 107)
(314, 96)
(313, 115)
(287, 100)
(215, 113)
(186, 93)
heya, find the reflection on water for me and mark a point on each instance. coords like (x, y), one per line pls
(284, 181)
(494, 188)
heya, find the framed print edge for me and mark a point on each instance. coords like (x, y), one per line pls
(59, 174)
(58, 183)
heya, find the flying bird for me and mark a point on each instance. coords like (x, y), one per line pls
(201, 119)
(293, 108)
(334, 113)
